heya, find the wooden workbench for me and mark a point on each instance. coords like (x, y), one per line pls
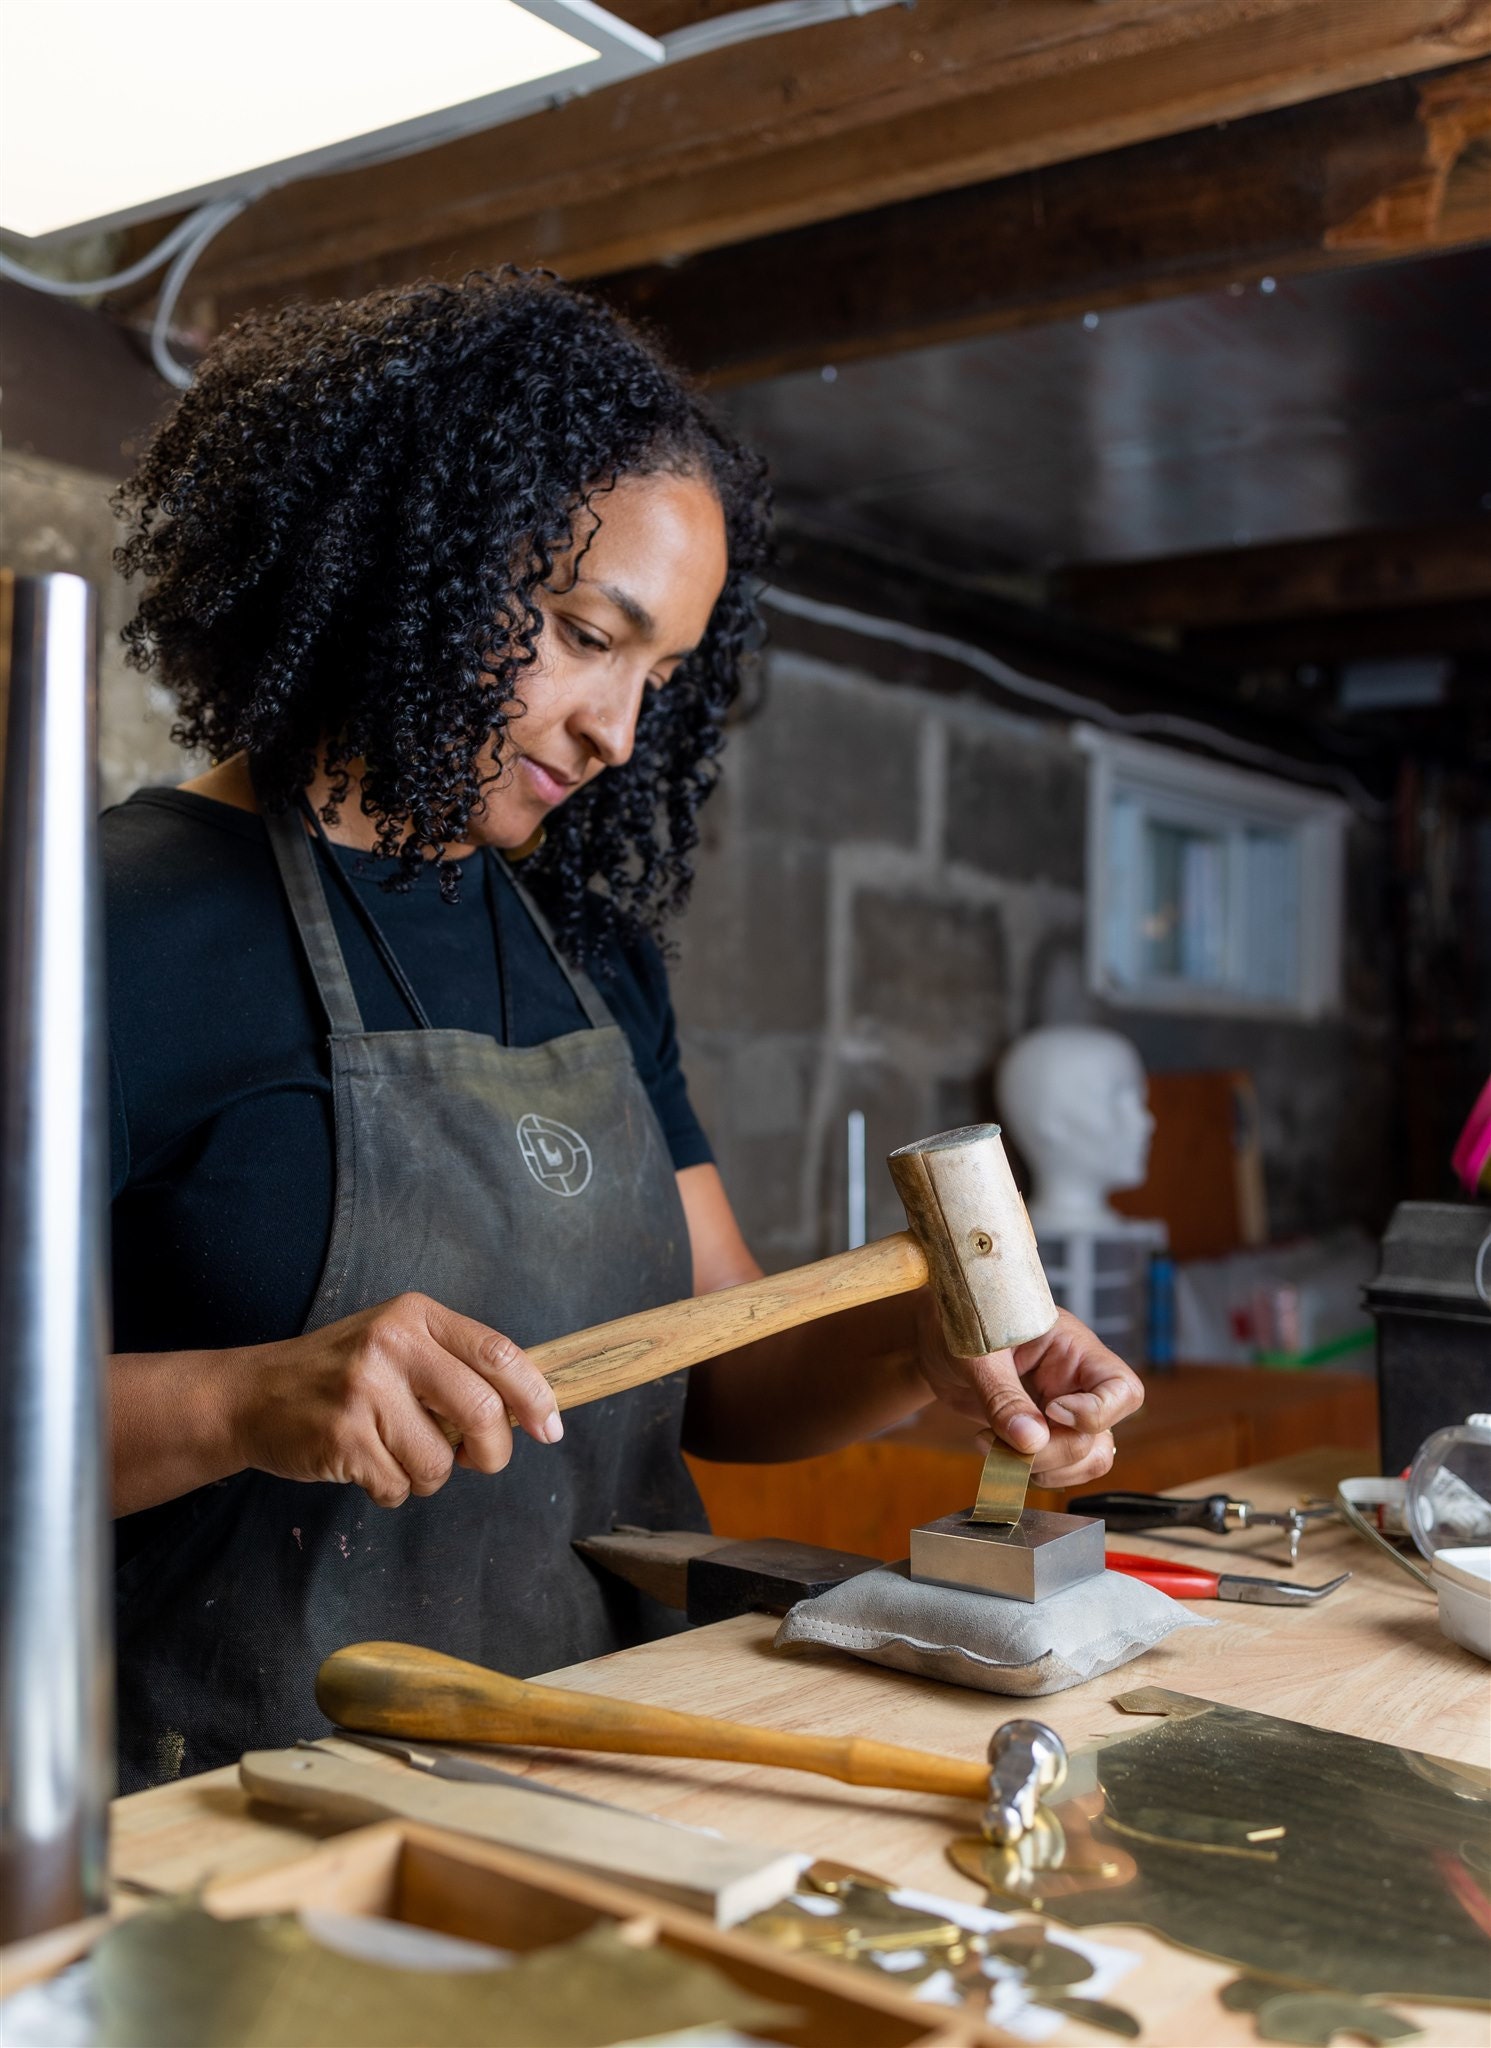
(1368, 1662)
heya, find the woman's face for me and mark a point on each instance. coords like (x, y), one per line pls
(620, 614)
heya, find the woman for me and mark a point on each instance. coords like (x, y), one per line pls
(453, 585)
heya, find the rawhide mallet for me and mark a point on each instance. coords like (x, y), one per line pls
(970, 1242)
(997, 1546)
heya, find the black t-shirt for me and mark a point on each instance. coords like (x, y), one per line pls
(221, 1136)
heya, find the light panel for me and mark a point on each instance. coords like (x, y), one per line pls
(114, 112)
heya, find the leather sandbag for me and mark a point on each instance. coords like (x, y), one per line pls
(976, 1639)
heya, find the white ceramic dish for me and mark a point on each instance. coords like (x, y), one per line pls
(1462, 1579)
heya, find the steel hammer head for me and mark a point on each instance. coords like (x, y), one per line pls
(1026, 1761)
(982, 1264)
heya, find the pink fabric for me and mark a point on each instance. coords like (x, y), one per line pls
(1472, 1151)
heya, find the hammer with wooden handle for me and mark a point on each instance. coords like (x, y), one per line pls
(970, 1241)
(424, 1696)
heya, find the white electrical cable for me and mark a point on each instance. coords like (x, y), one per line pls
(91, 287)
(1072, 703)
(773, 20)
(184, 243)
(212, 220)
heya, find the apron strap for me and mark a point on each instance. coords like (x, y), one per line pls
(308, 906)
(584, 990)
(376, 935)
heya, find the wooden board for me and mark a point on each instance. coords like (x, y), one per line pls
(1283, 192)
(1370, 1662)
(832, 119)
(723, 1881)
(1205, 1179)
(1351, 573)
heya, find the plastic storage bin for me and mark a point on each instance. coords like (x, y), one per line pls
(1432, 1303)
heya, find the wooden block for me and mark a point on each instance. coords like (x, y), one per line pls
(725, 1881)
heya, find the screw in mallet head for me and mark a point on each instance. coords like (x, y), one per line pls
(1026, 1760)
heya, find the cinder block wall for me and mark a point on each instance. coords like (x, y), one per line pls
(54, 517)
(890, 890)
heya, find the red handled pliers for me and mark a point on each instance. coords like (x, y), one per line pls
(1193, 1582)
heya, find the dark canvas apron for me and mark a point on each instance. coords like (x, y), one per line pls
(529, 1187)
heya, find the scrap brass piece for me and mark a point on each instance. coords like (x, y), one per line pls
(831, 1880)
(1364, 1892)
(1248, 1994)
(1002, 1486)
(1312, 2019)
(175, 1974)
(1045, 1964)
(868, 1925)
(1096, 2012)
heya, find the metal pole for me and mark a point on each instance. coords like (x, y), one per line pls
(56, 1663)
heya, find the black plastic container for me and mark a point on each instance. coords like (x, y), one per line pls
(1432, 1303)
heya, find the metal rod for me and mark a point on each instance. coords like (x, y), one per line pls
(854, 1139)
(56, 1665)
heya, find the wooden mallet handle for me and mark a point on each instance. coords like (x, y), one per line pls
(634, 1349)
(970, 1240)
(397, 1689)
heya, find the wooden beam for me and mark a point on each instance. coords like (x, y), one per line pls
(1462, 627)
(1126, 675)
(781, 132)
(76, 389)
(1288, 191)
(1358, 572)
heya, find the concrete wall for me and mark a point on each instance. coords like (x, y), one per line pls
(55, 517)
(890, 890)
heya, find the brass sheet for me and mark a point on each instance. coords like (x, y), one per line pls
(177, 1977)
(1319, 1861)
(1002, 1486)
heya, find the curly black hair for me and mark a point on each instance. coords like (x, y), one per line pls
(342, 526)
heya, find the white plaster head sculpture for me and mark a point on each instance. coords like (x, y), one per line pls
(1075, 1099)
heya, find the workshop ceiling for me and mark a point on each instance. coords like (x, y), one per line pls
(1282, 410)
(1165, 315)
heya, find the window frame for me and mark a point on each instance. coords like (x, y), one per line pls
(1185, 790)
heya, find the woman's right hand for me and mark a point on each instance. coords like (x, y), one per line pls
(357, 1402)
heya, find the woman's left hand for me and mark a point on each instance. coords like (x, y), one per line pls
(1057, 1396)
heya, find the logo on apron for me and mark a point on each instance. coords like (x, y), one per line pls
(557, 1157)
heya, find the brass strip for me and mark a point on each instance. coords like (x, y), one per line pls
(1002, 1486)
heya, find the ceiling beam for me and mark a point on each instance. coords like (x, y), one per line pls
(846, 115)
(1461, 627)
(1108, 668)
(1388, 170)
(77, 390)
(1359, 572)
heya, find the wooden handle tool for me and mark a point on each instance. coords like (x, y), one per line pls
(396, 1689)
(970, 1241)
